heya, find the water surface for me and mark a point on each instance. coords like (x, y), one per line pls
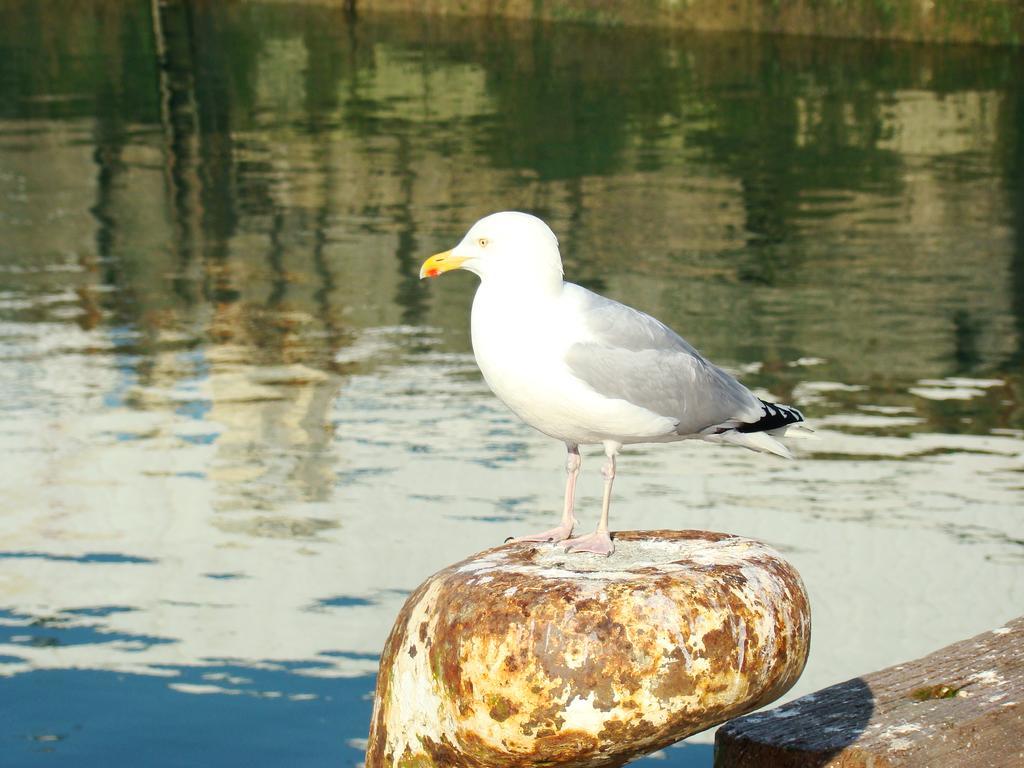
(237, 430)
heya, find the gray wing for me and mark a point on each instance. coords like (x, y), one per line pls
(636, 358)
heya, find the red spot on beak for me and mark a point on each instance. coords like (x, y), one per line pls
(433, 272)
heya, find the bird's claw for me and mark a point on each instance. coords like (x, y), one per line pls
(553, 535)
(599, 542)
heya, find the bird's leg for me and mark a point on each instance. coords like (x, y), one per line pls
(600, 541)
(563, 530)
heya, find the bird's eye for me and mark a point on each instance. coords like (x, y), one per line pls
(483, 242)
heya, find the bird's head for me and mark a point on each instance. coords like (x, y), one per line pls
(508, 246)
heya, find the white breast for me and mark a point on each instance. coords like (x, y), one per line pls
(520, 347)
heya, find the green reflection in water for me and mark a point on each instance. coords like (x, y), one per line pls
(272, 175)
(247, 187)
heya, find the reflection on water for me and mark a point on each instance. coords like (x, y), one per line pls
(237, 430)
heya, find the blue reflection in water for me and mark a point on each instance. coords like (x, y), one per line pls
(204, 439)
(91, 557)
(220, 715)
(341, 601)
(52, 631)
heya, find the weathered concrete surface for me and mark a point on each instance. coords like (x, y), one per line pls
(963, 21)
(523, 655)
(961, 706)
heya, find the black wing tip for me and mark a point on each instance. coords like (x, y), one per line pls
(774, 416)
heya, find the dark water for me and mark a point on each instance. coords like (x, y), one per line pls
(237, 430)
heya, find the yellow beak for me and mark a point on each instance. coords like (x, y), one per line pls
(440, 262)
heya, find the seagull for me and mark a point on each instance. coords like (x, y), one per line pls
(587, 370)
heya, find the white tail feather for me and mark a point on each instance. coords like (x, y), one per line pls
(754, 441)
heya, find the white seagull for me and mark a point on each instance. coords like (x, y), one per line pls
(584, 369)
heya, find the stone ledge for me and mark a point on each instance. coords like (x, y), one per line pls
(960, 706)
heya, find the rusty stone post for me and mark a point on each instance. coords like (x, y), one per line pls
(524, 655)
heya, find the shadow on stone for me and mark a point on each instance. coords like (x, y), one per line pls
(806, 733)
(959, 705)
